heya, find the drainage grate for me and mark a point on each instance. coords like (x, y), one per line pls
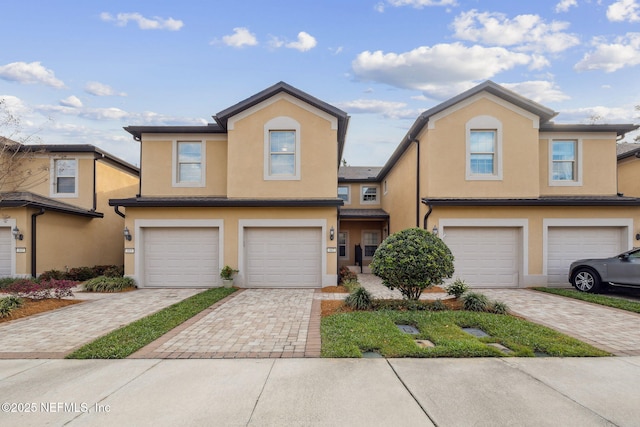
(371, 355)
(476, 332)
(540, 354)
(408, 329)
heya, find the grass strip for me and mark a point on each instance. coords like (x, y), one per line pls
(129, 339)
(351, 334)
(622, 304)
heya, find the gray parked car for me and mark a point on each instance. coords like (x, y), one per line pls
(590, 275)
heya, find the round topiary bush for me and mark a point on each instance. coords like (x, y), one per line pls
(412, 260)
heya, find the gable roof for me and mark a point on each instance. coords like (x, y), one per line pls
(358, 173)
(545, 114)
(28, 199)
(222, 118)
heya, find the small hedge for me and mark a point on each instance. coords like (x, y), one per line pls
(8, 304)
(109, 284)
(82, 274)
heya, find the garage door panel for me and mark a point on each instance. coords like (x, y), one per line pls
(181, 257)
(568, 244)
(5, 251)
(485, 257)
(283, 257)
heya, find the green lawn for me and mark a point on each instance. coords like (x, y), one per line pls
(595, 298)
(350, 334)
(129, 339)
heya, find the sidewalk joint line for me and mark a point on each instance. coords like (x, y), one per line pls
(415, 399)
(253, 410)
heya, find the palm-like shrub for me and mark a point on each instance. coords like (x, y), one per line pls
(412, 260)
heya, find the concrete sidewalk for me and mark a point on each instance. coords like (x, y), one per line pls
(312, 392)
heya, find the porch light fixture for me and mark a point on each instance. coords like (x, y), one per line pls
(17, 234)
(332, 233)
(127, 234)
(638, 236)
(434, 231)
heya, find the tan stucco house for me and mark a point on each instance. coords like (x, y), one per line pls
(629, 169)
(54, 211)
(515, 196)
(256, 190)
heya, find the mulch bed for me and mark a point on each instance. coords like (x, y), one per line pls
(31, 307)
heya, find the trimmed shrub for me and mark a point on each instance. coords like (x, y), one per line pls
(360, 299)
(8, 304)
(6, 281)
(412, 260)
(108, 284)
(81, 274)
(409, 305)
(113, 271)
(457, 288)
(42, 290)
(499, 307)
(351, 285)
(53, 274)
(344, 275)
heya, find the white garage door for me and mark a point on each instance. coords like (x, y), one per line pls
(283, 257)
(485, 256)
(181, 257)
(567, 244)
(5, 251)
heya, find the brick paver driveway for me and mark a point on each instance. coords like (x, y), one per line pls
(609, 329)
(57, 333)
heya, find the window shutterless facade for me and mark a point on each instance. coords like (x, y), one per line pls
(565, 167)
(368, 194)
(65, 178)
(344, 193)
(482, 152)
(370, 241)
(282, 152)
(343, 243)
(189, 165)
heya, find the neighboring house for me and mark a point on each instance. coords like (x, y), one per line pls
(515, 196)
(255, 190)
(56, 215)
(629, 169)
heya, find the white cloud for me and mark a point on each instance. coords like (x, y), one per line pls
(71, 101)
(101, 89)
(304, 43)
(524, 32)
(623, 52)
(388, 109)
(538, 90)
(441, 70)
(602, 113)
(624, 10)
(241, 37)
(155, 23)
(565, 5)
(29, 73)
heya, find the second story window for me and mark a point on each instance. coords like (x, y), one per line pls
(482, 152)
(369, 194)
(282, 156)
(189, 167)
(563, 160)
(65, 174)
(343, 193)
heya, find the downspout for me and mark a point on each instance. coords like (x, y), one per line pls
(33, 240)
(115, 208)
(426, 216)
(417, 141)
(95, 194)
(139, 139)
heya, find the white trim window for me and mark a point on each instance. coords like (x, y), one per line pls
(369, 194)
(64, 181)
(344, 193)
(370, 242)
(282, 149)
(343, 244)
(564, 162)
(189, 164)
(484, 148)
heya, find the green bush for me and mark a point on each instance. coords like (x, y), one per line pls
(8, 304)
(5, 282)
(344, 275)
(408, 305)
(351, 285)
(81, 274)
(457, 288)
(412, 260)
(53, 275)
(108, 284)
(499, 307)
(360, 299)
(474, 301)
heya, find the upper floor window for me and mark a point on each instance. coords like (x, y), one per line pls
(282, 156)
(65, 177)
(369, 194)
(344, 193)
(565, 162)
(189, 165)
(484, 148)
(282, 149)
(482, 152)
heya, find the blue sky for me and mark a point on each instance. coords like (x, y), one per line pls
(78, 71)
